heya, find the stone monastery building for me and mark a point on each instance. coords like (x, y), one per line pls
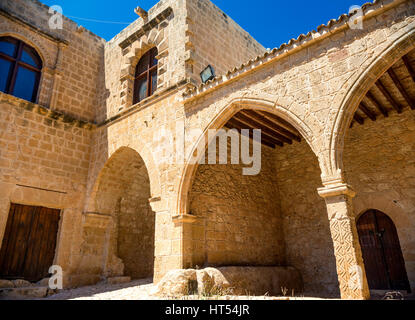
(85, 182)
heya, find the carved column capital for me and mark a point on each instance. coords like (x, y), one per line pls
(184, 218)
(336, 190)
(349, 262)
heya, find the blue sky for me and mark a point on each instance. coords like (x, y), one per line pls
(271, 22)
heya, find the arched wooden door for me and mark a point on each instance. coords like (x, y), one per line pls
(382, 254)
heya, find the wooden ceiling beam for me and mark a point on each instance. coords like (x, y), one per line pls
(358, 119)
(280, 121)
(409, 67)
(251, 136)
(264, 140)
(367, 111)
(240, 125)
(401, 89)
(388, 96)
(265, 143)
(257, 125)
(382, 109)
(271, 125)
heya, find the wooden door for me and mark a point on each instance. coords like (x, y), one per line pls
(29, 242)
(382, 254)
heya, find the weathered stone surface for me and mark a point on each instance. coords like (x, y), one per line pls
(263, 280)
(21, 283)
(43, 283)
(177, 283)
(211, 281)
(230, 208)
(231, 280)
(68, 151)
(32, 292)
(6, 284)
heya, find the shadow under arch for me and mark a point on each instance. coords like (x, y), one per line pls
(221, 118)
(141, 153)
(121, 196)
(398, 48)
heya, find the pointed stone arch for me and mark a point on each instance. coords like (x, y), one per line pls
(138, 150)
(393, 52)
(123, 242)
(218, 121)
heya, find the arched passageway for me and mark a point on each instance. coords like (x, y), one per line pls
(123, 193)
(273, 218)
(379, 153)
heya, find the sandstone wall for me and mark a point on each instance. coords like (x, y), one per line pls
(136, 228)
(239, 221)
(214, 38)
(308, 80)
(188, 38)
(308, 242)
(45, 152)
(379, 163)
(142, 132)
(44, 162)
(73, 61)
(120, 61)
(123, 243)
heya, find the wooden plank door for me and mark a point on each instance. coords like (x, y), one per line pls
(393, 254)
(29, 243)
(382, 254)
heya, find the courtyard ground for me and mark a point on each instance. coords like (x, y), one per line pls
(140, 290)
(144, 290)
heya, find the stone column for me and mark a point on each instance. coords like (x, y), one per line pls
(349, 261)
(185, 222)
(171, 239)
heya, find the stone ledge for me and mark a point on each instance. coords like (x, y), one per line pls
(184, 218)
(51, 115)
(336, 190)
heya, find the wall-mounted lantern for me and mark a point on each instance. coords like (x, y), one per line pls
(207, 74)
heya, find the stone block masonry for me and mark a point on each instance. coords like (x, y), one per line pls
(85, 148)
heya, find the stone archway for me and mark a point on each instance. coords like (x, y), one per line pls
(365, 157)
(217, 123)
(350, 103)
(255, 220)
(122, 193)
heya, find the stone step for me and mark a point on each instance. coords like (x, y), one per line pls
(26, 292)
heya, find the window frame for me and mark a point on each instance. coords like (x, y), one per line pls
(17, 63)
(146, 74)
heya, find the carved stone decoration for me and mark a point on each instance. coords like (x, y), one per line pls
(141, 12)
(349, 262)
(151, 35)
